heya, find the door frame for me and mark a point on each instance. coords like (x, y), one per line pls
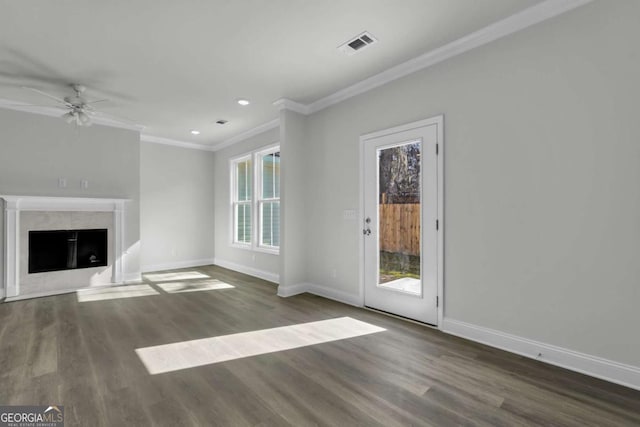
(438, 121)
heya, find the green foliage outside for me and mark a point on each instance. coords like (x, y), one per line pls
(396, 266)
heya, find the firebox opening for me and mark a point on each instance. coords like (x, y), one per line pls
(55, 250)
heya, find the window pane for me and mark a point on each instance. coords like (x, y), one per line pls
(276, 224)
(267, 176)
(271, 224)
(243, 222)
(243, 181)
(271, 176)
(276, 179)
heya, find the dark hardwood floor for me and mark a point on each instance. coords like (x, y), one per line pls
(56, 350)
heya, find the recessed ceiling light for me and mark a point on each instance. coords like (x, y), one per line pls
(195, 132)
(243, 102)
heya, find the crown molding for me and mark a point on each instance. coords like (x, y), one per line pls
(215, 147)
(58, 112)
(246, 134)
(174, 142)
(104, 121)
(512, 24)
(288, 104)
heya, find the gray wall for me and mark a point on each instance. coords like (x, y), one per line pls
(224, 252)
(36, 150)
(541, 180)
(176, 207)
(294, 192)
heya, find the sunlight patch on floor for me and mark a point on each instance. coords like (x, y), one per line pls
(176, 275)
(115, 292)
(205, 285)
(189, 354)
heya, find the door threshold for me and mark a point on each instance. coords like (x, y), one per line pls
(397, 316)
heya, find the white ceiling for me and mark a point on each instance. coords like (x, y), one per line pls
(173, 66)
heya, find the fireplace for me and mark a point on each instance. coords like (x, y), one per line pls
(55, 250)
(51, 243)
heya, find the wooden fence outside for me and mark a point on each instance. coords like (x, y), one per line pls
(400, 228)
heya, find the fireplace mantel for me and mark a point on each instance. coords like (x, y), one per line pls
(64, 204)
(16, 204)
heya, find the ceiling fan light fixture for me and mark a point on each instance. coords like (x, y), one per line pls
(69, 117)
(84, 119)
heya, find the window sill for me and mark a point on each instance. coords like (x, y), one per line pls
(267, 250)
(255, 249)
(241, 246)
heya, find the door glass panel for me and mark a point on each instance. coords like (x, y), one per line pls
(399, 207)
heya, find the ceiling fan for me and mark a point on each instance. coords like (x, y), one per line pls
(79, 110)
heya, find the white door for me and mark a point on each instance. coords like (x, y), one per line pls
(400, 229)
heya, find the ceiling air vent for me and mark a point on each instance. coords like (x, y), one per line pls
(358, 44)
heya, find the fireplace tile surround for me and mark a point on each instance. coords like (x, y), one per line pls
(25, 213)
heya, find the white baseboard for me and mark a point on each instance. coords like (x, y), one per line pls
(336, 295)
(132, 277)
(261, 274)
(322, 291)
(289, 291)
(177, 264)
(594, 366)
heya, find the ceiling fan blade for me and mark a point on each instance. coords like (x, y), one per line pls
(99, 100)
(55, 98)
(33, 105)
(89, 105)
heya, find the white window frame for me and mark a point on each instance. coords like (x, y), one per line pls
(256, 199)
(260, 200)
(233, 166)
